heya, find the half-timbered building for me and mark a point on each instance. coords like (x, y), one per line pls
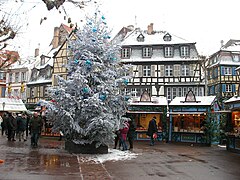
(222, 77)
(163, 64)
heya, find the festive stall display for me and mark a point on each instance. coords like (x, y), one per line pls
(189, 117)
(143, 109)
(233, 124)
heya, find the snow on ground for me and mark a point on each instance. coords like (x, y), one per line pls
(113, 155)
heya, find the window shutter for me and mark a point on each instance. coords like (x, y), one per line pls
(234, 71)
(223, 87)
(222, 71)
(28, 92)
(153, 70)
(35, 92)
(191, 69)
(233, 87)
(139, 68)
(176, 70)
(162, 71)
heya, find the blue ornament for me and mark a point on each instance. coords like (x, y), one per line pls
(102, 97)
(109, 37)
(93, 40)
(85, 90)
(76, 61)
(94, 30)
(125, 81)
(88, 62)
(113, 58)
(105, 23)
(126, 98)
(103, 18)
(90, 23)
(56, 93)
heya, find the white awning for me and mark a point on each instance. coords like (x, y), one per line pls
(12, 105)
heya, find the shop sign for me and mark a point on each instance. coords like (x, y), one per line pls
(188, 138)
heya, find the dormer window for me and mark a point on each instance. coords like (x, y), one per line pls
(42, 60)
(146, 52)
(184, 51)
(126, 53)
(167, 37)
(140, 38)
(168, 51)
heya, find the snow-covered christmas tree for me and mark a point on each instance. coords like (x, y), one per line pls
(88, 106)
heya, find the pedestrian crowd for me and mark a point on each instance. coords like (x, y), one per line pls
(17, 126)
(126, 133)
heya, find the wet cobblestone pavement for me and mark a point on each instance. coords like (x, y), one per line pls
(163, 161)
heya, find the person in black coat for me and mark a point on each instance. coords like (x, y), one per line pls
(152, 128)
(131, 133)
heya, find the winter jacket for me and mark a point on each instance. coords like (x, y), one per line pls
(124, 131)
(35, 124)
(21, 122)
(152, 127)
(132, 129)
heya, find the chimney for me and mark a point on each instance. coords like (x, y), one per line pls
(36, 52)
(150, 29)
(55, 41)
(222, 43)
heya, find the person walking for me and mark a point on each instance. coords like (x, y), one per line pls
(123, 137)
(35, 126)
(21, 124)
(13, 126)
(152, 129)
(117, 139)
(131, 133)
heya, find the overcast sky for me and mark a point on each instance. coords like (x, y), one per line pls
(205, 22)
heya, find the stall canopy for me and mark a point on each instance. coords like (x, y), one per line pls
(12, 105)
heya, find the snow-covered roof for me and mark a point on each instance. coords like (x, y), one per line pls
(155, 101)
(11, 104)
(40, 81)
(200, 101)
(232, 45)
(153, 39)
(232, 99)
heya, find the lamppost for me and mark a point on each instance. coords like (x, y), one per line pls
(3, 104)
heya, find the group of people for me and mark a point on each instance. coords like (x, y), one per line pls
(19, 126)
(124, 134)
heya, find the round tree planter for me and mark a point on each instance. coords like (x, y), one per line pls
(85, 149)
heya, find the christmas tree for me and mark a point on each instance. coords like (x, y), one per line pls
(88, 106)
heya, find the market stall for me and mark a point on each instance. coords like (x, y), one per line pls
(143, 109)
(188, 116)
(233, 124)
(12, 105)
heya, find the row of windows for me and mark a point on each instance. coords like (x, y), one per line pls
(148, 51)
(18, 77)
(226, 71)
(167, 71)
(173, 92)
(225, 88)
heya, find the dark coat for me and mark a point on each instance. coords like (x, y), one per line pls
(21, 122)
(132, 129)
(35, 124)
(152, 127)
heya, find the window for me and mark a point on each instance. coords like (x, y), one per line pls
(10, 77)
(42, 60)
(17, 77)
(23, 76)
(168, 51)
(169, 93)
(147, 70)
(1, 75)
(227, 71)
(3, 92)
(184, 51)
(167, 37)
(32, 92)
(185, 91)
(185, 70)
(174, 92)
(168, 70)
(140, 38)
(228, 87)
(180, 92)
(126, 53)
(147, 52)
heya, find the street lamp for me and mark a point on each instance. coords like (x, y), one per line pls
(3, 104)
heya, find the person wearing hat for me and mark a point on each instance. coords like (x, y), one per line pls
(152, 129)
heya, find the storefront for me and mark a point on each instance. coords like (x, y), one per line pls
(143, 109)
(233, 124)
(188, 117)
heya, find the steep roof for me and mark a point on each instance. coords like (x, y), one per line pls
(201, 101)
(156, 38)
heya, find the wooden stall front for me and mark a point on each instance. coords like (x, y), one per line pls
(142, 111)
(188, 116)
(233, 124)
